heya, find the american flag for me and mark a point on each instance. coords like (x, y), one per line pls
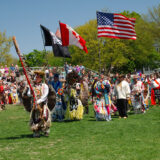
(114, 25)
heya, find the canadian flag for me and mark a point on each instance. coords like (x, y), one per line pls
(70, 37)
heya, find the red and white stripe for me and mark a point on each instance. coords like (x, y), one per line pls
(70, 37)
(123, 28)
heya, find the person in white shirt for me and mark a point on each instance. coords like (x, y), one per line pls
(122, 94)
(47, 73)
(2, 70)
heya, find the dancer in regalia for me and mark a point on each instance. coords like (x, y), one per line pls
(84, 94)
(60, 106)
(40, 119)
(137, 91)
(155, 90)
(74, 106)
(145, 96)
(102, 106)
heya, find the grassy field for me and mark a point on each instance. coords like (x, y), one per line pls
(135, 138)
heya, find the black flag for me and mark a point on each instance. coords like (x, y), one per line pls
(51, 40)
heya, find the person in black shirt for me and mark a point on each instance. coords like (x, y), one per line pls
(13, 79)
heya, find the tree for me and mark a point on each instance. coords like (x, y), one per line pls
(41, 58)
(118, 54)
(5, 45)
(154, 19)
(141, 52)
(89, 33)
(54, 61)
(35, 58)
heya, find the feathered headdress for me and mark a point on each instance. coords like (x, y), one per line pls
(38, 72)
(72, 78)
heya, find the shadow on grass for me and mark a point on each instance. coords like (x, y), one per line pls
(65, 121)
(92, 120)
(18, 137)
(92, 117)
(131, 113)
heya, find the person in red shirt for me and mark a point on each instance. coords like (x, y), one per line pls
(1, 87)
(2, 98)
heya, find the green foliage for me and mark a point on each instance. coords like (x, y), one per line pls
(89, 33)
(35, 58)
(154, 18)
(117, 54)
(54, 61)
(5, 45)
(135, 138)
(41, 58)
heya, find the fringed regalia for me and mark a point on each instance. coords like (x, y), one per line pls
(60, 107)
(102, 106)
(40, 119)
(51, 98)
(155, 91)
(27, 99)
(74, 106)
(14, 95)
(137, 102)
(137, 97)
(84, 95)
(145, 97)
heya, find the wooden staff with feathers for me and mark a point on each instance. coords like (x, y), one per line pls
(25, 71)
(36, 107)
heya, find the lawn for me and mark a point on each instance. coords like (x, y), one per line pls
(135, 138)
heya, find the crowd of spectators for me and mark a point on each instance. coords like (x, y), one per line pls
(10, 78)
(9, 83)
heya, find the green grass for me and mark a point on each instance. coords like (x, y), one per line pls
(135, 138)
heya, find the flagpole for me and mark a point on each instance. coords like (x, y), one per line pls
(61, 37)
(99, 52)
(44, 45)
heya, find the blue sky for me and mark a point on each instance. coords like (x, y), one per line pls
(23, 17)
